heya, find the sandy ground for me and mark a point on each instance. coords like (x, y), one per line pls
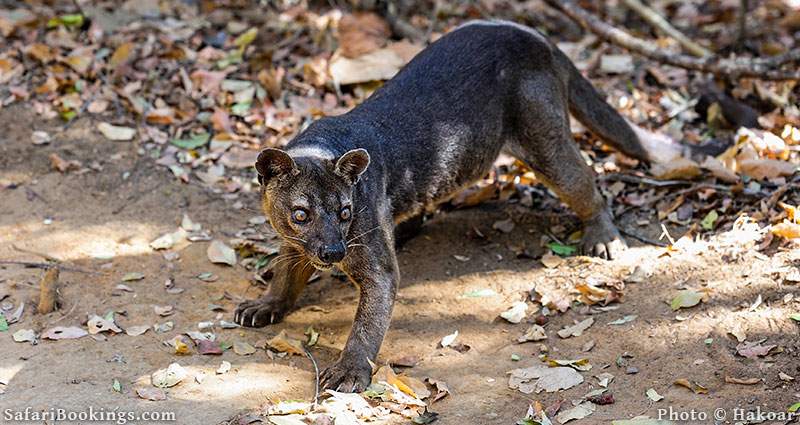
(131, 201)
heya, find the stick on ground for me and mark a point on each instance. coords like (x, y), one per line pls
(653, 18)
(764, 69)
(48, 291)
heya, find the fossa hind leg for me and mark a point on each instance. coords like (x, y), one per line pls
(544, 142)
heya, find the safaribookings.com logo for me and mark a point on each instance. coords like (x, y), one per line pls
(56, 415)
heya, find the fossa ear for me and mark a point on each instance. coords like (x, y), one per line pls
(272, 163)
(352, 164)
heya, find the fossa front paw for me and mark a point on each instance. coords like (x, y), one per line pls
(602, 239)
(347, 375)
(260, 312)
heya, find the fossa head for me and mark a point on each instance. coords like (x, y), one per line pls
(308, 199)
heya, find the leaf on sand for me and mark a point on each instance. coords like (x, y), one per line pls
(129, 277)
(786, 230)
(693, 386)
(164, 311)
(687, 298)
(448, 340)
(313, 336)
(206, 347)
(516, 313)
(534, 333)
(577, 329)
(752, 350)
(504, 226)
(219, 253)
(709, 220)
(167, 240)
(548, 379)
(152, 394)
(561, 249)
(742, 381)
(115, 132)
(136, 330)
(653, 395)
(578, 412)
(169, 377)
(224, 368)
(582, 365)
(624, 320)
(386, 374)
(24, 335)
(193, 142)
(283, 343)
(551, 261)
(3, 324)
(381, 64)
(60, 332)
(97, 324)
(243, 348)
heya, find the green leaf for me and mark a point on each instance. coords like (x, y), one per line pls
(709, 341)
(562, 250)
(72, 20)
(225, 346)
(193, 142)
(515, 357)
(246, 37)
(3, 324)
(241, 109)
(709, 220)
(313, 336)
(684, 299)
(794, 408)
(795, 317)
(116, 386)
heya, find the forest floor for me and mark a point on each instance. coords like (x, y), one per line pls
(103, 222)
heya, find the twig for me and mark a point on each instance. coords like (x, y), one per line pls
(36, 253)
(653, 18)
(48, 291)
(641, 238)
(764, 69)
(316, 374)
(665, 232)
(46, 266)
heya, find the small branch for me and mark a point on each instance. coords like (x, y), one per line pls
(45, 266)
(640, 238)
(653, 18)
(48, 291)
(316, 374)
(764, 69)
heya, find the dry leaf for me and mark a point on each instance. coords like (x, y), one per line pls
(219, 253)
(744, 381)
(577, 329)
(283, 343)
(60, 332)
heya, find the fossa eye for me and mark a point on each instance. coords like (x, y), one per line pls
(345, 213)
(299, 215)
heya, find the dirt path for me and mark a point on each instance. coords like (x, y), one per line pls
(103, 220)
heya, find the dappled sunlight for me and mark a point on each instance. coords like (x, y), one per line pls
(250, 383)
(9, 371)
(68, 241)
